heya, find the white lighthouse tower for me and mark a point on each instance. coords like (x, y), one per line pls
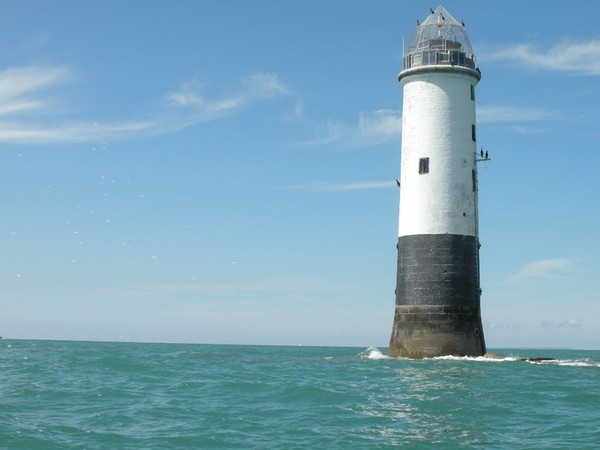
(437, 289)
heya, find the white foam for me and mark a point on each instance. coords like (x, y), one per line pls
(373, 353)
(557, 362)
(474, 358)
(570, 362)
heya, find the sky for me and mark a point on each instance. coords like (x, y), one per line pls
(224, 171)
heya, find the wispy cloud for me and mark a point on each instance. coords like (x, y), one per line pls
(372, 128)
(295, 285)
(17, 84)
(17, 106)
(332, 131)
(265, 85)
(188, 106)
(345, 187)
(542, 268)
(29, 115)
(379, 126)
(257, 86)
(188, 95)
(505, 326)
(579, 58)
(568, 323)
(530, 129)
(513, 113)
(523, 119)
(22, 133)
(23, 91)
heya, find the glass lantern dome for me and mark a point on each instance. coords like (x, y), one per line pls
(439, 40)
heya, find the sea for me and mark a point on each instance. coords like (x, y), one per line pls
(110, 395)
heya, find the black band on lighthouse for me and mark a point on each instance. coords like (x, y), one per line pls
(437, 269)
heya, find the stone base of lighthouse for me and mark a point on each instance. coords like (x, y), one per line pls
(429, 331)
(437, 297)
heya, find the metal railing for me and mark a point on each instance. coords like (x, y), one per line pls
(433, 57)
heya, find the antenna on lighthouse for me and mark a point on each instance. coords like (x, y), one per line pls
(403, 47)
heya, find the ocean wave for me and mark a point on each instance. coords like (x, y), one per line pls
(373, 353)
(109, 395)
(569, 362)
(475, 358)
(586, 362)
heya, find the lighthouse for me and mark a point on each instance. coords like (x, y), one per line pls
(438, 288)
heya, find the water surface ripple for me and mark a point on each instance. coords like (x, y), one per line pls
(62, 395)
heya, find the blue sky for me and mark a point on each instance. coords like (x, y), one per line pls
(223, 171)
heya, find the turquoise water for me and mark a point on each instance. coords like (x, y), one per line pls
(63, 395)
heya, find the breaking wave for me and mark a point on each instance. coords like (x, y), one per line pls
(373, 353)
(570, 362)
(585, 362)
(475, 358)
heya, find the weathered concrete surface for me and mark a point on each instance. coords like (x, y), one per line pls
(430, 331)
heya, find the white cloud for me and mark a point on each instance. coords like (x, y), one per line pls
(542, 268)
(530, 130)
(298, 110)
(295, 285)
(568, 323)
(511, 113)
(380, 126)
(572, 323)
(21, 133)
(21, 87)
(185, 97)
(334, 131)
(505, 326)
(265, 85)
(372, 128)
(195, 108)
(190, 99)
(344, 187)
(24, 91)
(226, 104)
(20, 90)
(18, 106)
(580, 58)
(17, 82)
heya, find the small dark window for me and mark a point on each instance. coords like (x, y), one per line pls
(474, 177)
(472, 92)
(473, 133)
(423, 165)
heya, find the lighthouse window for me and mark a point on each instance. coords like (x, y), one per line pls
(423, 165)
(473, 134)
(472, 92)
(430, 58)
(458, 58)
